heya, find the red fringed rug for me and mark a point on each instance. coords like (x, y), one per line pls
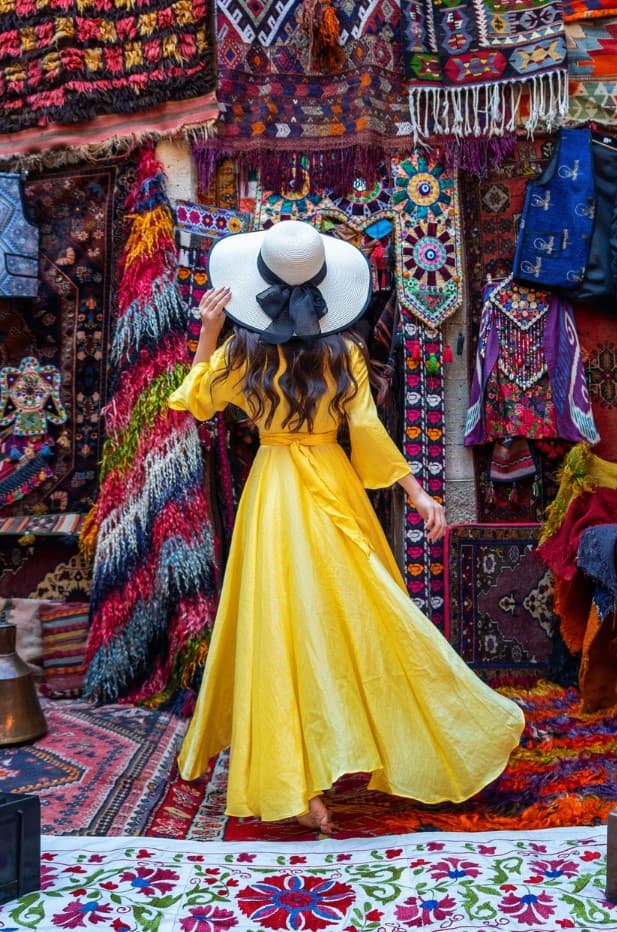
(564, 773)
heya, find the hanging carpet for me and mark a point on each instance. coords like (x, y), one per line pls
(468, 65)
(68, 62)
(592, 67)
(282, 103)
(79, 213)
(153, 588)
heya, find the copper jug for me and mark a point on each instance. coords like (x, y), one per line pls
(21, 716)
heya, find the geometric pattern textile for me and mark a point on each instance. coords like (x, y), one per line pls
(592, 70)
(278, 106)
(96, 771)
(551, 879)
(468, 62)
(66, 61)
(500, 599)
(79, 213)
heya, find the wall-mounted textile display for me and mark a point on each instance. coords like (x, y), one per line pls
(420, 208)
(281, 103)
(491, 209)
(66, 62)
(66, 330)
(468, 65)
(500, 601)
(228, 441)
(153, 587)
(592, 62)
(19, 241)
(529, 378)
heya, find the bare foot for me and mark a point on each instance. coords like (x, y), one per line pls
(317, 817)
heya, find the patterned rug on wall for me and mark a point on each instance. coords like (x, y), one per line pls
(281, 101)
(499, 609)
(69, 62)
(79, 213)
(563, 773)
(97, 771)
(44, 567)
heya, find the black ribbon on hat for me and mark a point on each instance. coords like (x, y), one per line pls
(295, 310)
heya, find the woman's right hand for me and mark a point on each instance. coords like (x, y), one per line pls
(211, 310)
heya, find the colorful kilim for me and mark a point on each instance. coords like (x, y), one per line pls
(548, 880)
(66, 61)
(592, 67)
(563, 773)
(79, 212)
(596, 330)
(588, 9)
(468, 64)
(421, 205)
(500, 599)
(96, 771)
(278, 106)
(153, 585)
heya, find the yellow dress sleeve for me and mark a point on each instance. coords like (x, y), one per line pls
(374, 455)
(203, 392)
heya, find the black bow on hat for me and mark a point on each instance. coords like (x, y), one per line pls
(295, 310)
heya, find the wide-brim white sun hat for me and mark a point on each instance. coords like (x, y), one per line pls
(291, 256)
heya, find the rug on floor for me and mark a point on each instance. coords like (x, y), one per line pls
(563, 773)
(514, 881)
(97, 771)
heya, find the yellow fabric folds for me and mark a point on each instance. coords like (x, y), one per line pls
(320, 664)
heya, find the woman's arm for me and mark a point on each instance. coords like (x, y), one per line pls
(212, 319)
(430, 510)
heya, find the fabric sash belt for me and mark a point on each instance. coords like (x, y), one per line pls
(308, 468)
(304, 438)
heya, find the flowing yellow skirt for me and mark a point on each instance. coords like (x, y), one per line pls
(320, 664)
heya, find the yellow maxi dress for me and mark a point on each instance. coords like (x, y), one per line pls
(320, 664)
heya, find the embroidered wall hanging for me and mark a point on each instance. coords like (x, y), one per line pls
(280, 102)
(468, 65)
(66, 62)
(529, 378)
(153, 586)
(30, 404)
(19, 241)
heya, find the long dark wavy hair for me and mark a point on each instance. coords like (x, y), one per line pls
(303, 382)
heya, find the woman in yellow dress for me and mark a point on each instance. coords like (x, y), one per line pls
(320, 664)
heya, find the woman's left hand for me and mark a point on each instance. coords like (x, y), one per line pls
(433, 514)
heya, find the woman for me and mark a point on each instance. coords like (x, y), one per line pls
(320, 664)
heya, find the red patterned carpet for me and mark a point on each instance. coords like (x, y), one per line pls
(98, 771)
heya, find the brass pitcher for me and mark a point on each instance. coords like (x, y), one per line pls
(21, 716)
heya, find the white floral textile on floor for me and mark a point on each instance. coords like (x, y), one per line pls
(552, 879)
